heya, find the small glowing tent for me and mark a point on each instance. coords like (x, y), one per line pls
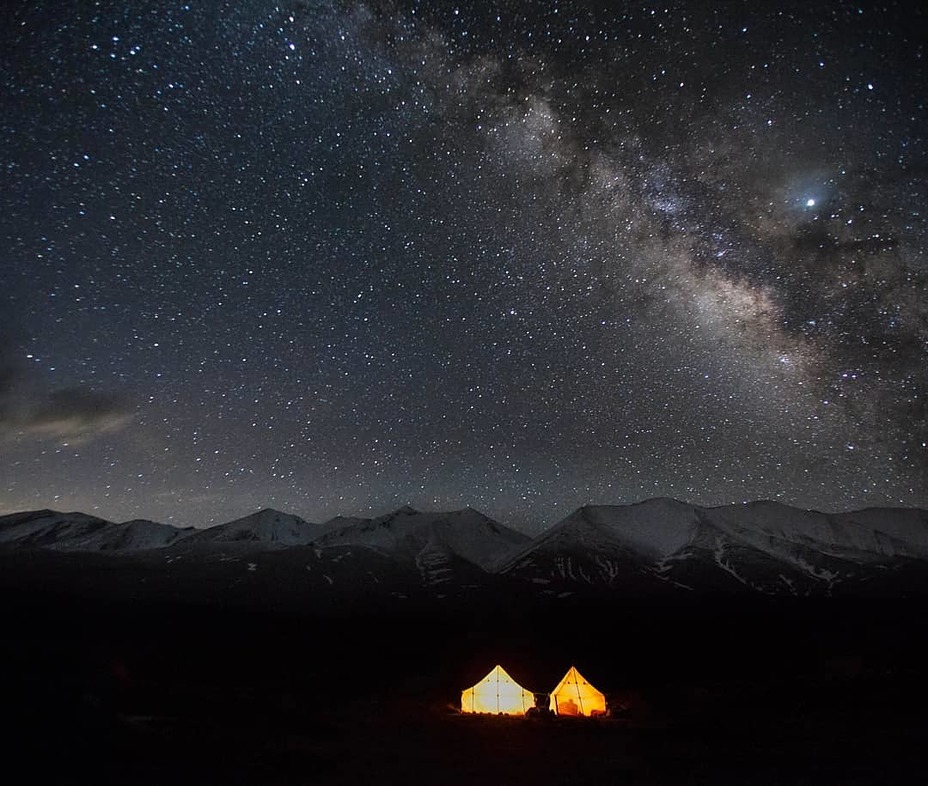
(497, 693)
(575, 696)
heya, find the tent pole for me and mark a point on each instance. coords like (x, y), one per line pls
(577, 685)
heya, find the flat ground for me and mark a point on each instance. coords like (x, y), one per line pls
(410, 745)
(98, 694)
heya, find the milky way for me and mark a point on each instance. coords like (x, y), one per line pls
(337, 257)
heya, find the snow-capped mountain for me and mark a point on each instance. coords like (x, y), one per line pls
(405, 533)
(268, 527)
(47, 528)
(654, 547)
(761, 546)
(604, 546)
(441, 545)
(135, 535)
(870, 534)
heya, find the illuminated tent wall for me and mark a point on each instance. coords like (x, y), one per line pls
(575, 696)
(497, 693)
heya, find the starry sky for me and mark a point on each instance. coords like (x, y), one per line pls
(334, 257)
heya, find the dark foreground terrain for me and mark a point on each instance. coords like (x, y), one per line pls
(710, 692)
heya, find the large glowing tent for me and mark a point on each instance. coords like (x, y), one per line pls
(575, 696)
(497, 693)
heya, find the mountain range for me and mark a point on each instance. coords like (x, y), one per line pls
(659, 547)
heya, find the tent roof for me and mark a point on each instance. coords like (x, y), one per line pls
(572, 677)
(498, 674)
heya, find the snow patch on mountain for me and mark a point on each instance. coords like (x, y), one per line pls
(434, 563)
(723, 563)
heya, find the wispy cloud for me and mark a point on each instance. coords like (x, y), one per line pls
(76, 415)
(72, 415)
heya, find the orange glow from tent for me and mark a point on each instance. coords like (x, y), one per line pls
(497, 693)
(575, 696)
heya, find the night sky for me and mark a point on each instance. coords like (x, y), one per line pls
(337, 257)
